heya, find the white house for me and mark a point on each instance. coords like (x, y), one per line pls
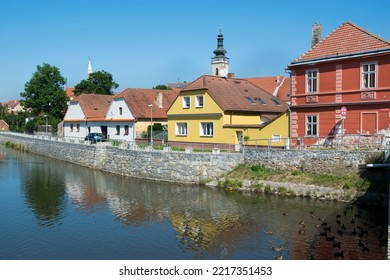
(85, 114)
(120, 121)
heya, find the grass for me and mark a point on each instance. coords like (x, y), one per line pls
(260, 172)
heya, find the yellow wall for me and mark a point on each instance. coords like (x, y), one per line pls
(263, 137)
(211, 112)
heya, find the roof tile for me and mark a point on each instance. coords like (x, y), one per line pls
(346, 39)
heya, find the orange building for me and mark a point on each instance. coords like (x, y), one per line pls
(341, 85)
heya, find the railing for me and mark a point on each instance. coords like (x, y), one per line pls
(346, 142)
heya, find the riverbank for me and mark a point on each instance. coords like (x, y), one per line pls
(368, 186)
(222, 170)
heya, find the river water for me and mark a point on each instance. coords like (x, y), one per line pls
(56, 210)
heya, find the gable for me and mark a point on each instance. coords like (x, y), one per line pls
(347, 39)
(119, 110)
(74, 112)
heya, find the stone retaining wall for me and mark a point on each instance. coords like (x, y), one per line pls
(156, 165)
(189, 167)
(318, 161)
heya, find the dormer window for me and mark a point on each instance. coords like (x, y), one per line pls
(199, 101)
(186, 102)
(250, 99)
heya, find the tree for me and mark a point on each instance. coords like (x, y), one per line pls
(45, 94)
(162, 87)
(99, 82)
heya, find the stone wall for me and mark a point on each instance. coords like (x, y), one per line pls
(189, 167)
(155, 165)
(318, 161)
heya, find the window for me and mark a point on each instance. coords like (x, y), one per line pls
(126, 130)
(186, 102)
(78, 127)
(199, 101)
(250, 99)
(276, 138)
(260, 100)
(120, 111)
(207, 129)
(118, 129)
(71, 127)
(181, 129)
(276, 102)
(311, 125)
(312, 80)
(369, 75)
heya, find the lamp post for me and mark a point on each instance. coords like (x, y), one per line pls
(151, 124)
(46, 125)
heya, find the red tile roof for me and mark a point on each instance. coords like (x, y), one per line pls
(3, 125)
(138, 100)
(94, 106)
(278, 86)
(69, 93)
(237, 95)
(345, 40)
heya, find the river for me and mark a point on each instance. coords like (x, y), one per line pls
(53, 210)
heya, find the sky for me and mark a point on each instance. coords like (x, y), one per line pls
(147, 43)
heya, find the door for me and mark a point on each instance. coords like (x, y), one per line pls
(104, 131)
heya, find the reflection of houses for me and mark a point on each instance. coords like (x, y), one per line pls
(137, 101)
(349, 68)
(218, 110)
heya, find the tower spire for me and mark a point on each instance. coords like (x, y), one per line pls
(89, 66)
(220, 63)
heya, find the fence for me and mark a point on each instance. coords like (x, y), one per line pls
(347, 142)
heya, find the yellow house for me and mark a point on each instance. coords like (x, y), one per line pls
(227, 111)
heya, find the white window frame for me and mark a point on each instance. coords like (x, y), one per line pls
(186, 104)
(310, 124)
(276, 138)
(181, 129)
(311, 80)
(206, 129)
(198, 103)
(369, 74)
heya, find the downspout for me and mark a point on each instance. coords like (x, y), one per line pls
(288, 71)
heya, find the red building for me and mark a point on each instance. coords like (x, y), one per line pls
(341, 86)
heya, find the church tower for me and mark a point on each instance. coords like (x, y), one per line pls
(220, 63)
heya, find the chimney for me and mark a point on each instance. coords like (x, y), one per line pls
(159, 99)
(231, 75)
(316, 34)
(278, 80)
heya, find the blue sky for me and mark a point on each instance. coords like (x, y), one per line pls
(146, 43)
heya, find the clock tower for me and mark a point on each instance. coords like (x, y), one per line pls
(220, 63)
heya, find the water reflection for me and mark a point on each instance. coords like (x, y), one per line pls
(87, 214)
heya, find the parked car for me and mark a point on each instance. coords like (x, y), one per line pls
(95, 137)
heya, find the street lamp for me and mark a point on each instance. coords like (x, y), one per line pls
(46, 125)
(151, 124)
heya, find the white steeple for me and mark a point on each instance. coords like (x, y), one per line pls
(89, 67)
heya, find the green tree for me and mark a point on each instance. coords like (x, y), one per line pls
(162, 87)
(99, 82)
(44, 94)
